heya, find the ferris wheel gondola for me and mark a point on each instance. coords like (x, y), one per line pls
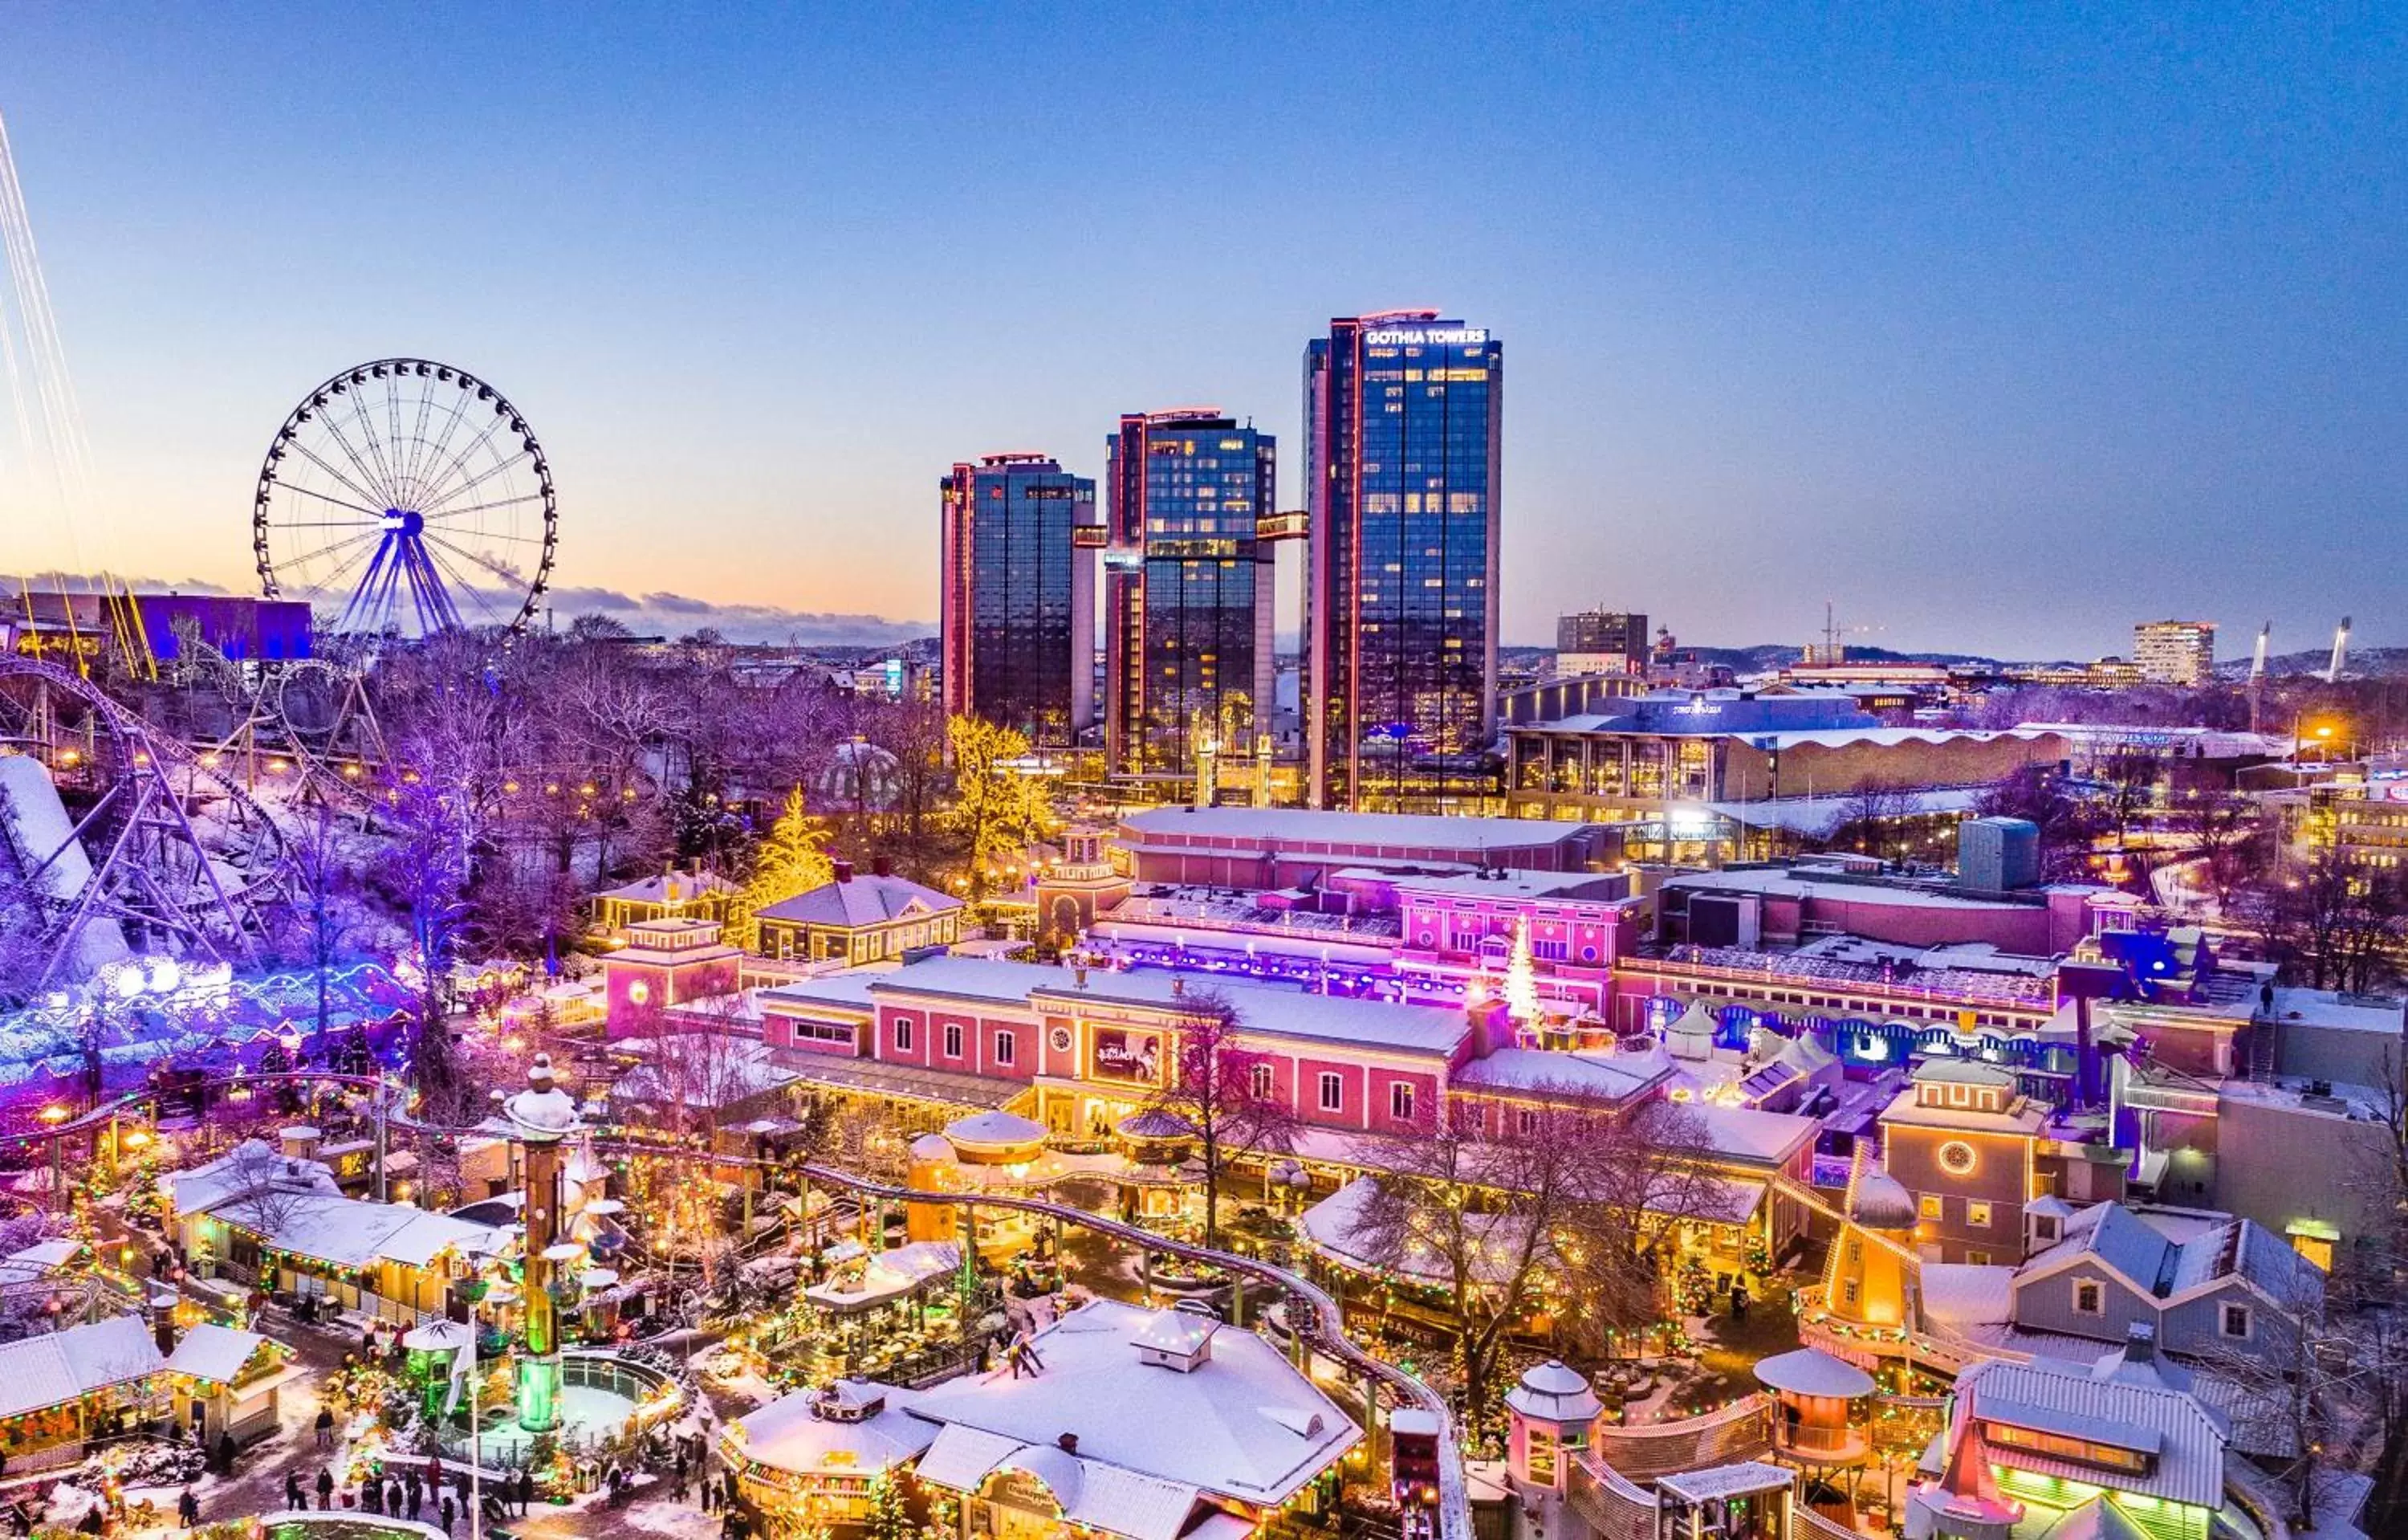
(406, 498)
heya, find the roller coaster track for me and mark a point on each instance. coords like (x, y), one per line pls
(1325, 1330)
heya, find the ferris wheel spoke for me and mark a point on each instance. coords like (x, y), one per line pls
(435, 455)
(305, 557)
(472, 482)
(374, 445)
(460, 581)
(499, 570)
(328, 583)
(377, 492)
(313, 492)
(482, 508)
(394, 443)
(349, 486)
(435, 496)
(418, 438)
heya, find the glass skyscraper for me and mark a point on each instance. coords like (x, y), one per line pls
(1018, 596)
(1188, 592)
(1402, 414)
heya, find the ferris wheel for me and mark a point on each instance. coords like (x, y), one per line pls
(405, 497)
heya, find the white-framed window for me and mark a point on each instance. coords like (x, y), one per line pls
(1400, 1101)
(2089, 1297)
(2044, 1228)
(2233, 1320)
(1262, 1082)
(1007, 1048)
(1333, 1092)
(1978, 1216)
(1928, 1207)
(953, 1040)
(902, 1034)
(1526, 1121)
(1977, 1258)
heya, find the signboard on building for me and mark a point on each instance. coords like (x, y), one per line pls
(1135, 1058)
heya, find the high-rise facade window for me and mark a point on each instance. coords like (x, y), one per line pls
(1017, 606)
(1188, 593)
(1403, 413)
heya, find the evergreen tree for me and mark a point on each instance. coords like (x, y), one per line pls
(889, 1518)
(1521, 981)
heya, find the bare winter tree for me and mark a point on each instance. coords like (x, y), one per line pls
(1509, 1209)
(2368, 1281)
(2228, 834)
(1224, 1095)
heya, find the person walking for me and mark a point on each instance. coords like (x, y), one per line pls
(325, 1427)
(294, 1501)
(371, 1496)
(451, 1513)
(325, 1488)
(225, 1453)
(526, 1490)
(188, 1509)
(393, 1498)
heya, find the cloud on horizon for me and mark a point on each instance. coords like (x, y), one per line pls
(666, 613)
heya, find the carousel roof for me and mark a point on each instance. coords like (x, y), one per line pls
(790, 1433)
(989, 1128)
(1154, 1123)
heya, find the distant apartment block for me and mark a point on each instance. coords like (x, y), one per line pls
(2174, 652)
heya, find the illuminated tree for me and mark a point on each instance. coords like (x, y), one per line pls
(1509, 1211)
(1521, 982)
(889, 1517)
(996, 808)
(791, 861)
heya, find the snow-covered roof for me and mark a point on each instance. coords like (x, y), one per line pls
(252, 1166)
(1268, 1010)
(1960, 1295)
(1811, 1372)
(669, 887)
(988, 1129)
(1298, 829)
(38, 1260)
(1498, 882)
(1606, 1075)
(1753, 1134)
(214, 1352)
(351, 1231)
(788, 1434)
(60, 1366)
(1555, 1392)
(1242, 1423)
(2049, 1396)
(860, 900)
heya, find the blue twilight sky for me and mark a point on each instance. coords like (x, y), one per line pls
(2000, 325)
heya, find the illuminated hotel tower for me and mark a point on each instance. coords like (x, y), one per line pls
(1402, 413)
(1018, 601)
(1188, 592)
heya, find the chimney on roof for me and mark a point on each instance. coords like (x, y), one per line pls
(882, 866)
(843, 871)
(1178, 984)
(2140, 1343)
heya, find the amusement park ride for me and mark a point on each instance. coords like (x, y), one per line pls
(152, 819)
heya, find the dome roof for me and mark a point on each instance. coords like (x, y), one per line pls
(932, 1146)
(1059, 1469)
(994, 1130)
(1882, 1201)
(1811, 1372)
(1552, 1392)
(1154, 1123)
(543, 1111)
